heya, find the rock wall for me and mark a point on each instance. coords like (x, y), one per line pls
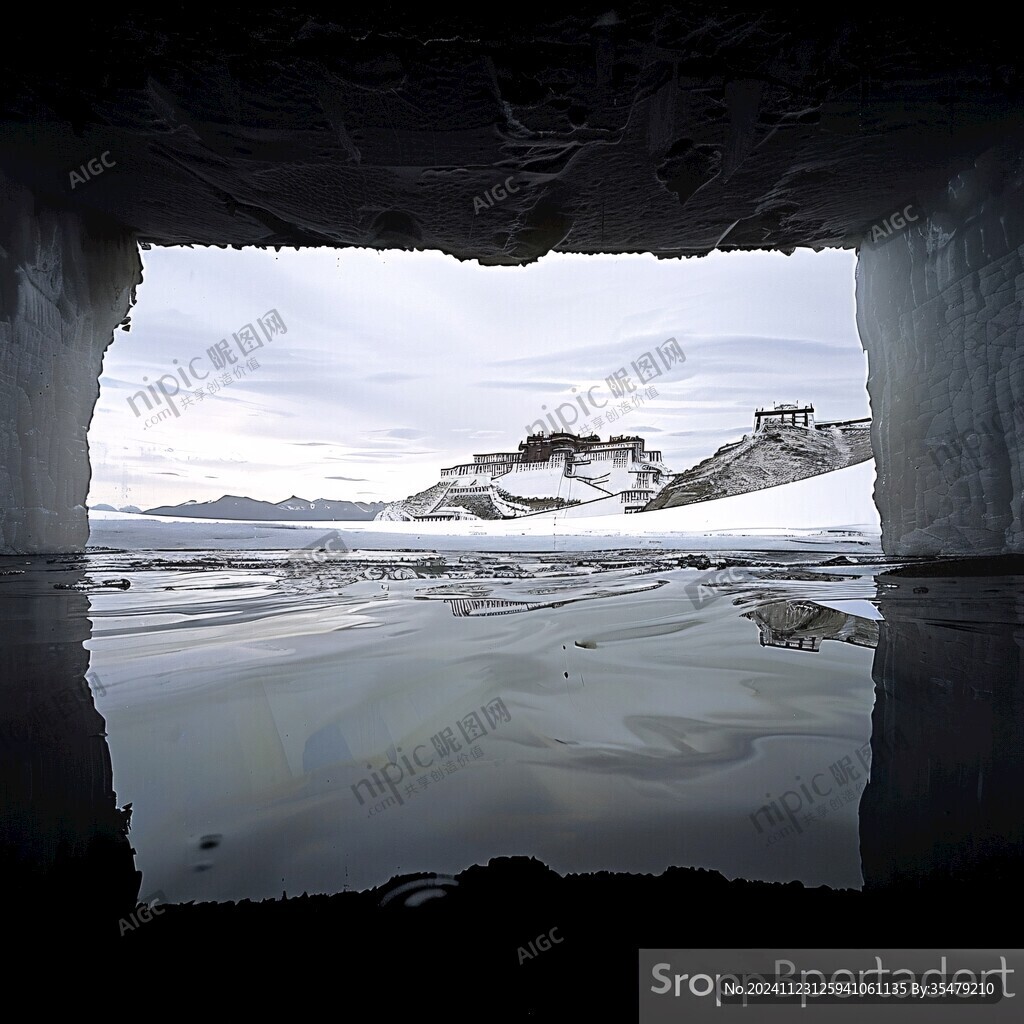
(939, 309)
(64, 287)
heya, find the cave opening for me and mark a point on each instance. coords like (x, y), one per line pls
(761, 682)
(306, 502)
(355, 405)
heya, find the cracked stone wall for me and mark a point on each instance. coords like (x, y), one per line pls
(64, 287)
(940, 314)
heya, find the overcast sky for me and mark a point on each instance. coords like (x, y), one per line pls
(393, 365)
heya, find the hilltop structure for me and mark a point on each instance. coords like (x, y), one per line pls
(782, 413)
(787, 444)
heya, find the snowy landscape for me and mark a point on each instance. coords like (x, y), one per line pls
(622, 620)
(298, 665)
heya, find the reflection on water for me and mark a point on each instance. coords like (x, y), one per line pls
(287, 724)
(803, 625)
(64, 851)
(944, 804)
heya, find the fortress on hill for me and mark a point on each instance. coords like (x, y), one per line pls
(548, 472)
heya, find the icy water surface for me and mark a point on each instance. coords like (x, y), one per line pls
(315, 723)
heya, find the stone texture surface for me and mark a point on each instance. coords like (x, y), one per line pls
(64, 287)
(643, 128)
(939, 308)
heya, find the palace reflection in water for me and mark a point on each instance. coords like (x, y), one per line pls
(941, 807)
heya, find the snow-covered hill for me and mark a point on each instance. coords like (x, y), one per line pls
(833, 511)
(779, 454)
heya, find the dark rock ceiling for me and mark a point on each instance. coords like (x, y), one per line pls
(645, 128)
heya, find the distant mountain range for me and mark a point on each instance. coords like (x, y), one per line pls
(232, 506)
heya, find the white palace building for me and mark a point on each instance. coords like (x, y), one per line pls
(561, 472)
